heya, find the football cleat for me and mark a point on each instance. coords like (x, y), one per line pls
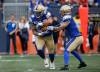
(81, 65)
(65, 68)
(46, 63)
(52, 66)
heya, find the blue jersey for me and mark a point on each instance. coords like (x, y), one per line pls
(71, 30)
(11, 26)
(35, 20)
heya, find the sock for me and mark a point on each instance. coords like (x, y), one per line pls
(66, 57)
(41, 54)
(52, 56)
(75, 53)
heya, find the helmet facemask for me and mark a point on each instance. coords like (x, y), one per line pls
(39, 10)
(38, 14)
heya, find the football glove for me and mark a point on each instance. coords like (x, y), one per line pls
(51, 28)
(40, 24)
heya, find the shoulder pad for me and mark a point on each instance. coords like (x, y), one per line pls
(66, 17)
(48, 14)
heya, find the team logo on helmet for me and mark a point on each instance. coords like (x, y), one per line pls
(65, 9)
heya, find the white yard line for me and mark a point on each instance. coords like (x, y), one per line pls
(23, 56)
(14, 60)
(15, 56)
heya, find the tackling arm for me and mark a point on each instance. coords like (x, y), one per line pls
(61, 27)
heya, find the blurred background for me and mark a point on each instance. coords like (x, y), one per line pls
(20, 8)
(14, 57)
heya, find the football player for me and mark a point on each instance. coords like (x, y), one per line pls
(40, 21)
(72, 38)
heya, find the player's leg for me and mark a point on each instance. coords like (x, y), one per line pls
(78, 41)
(41, 52)
(51, 48)
(66, 60)
(46, 60)
(8, 44)
(14, 42)
(71, 45)
(66, 54)
(39, 43)
(79, 58)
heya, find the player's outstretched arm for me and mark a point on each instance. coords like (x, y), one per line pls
(61, 27)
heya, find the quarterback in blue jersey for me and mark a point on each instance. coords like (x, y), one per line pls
(72, 38)
(40, 21)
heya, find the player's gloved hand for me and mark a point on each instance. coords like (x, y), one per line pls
(40, 24)
(42, 33)
(50, 28)
(39, 34)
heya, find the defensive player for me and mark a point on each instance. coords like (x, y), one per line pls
(72, 34)
(40, 20)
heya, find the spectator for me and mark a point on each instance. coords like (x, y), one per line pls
(77, 21)
(91, 35)
(91, 3)
(99, 37)
(83, 3)
(64, 2)
(97, 2)
(10, 28)
(1, 12)
(98, 29)
(23, 32)
(97, 33)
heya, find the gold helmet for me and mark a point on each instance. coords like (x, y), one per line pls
(65, 9)
(39, 8)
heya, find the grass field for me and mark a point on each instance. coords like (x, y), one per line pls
(35, 64)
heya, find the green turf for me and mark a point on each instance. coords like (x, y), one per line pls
(35, 64)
